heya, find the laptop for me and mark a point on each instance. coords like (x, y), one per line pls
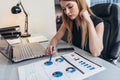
(21, 52)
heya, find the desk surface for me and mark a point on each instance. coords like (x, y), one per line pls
(8, 71)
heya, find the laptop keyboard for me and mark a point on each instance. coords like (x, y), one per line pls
(28, 51)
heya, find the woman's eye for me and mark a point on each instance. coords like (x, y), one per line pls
(71, 6)
(68, 7)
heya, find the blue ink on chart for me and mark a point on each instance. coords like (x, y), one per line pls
(92, 68)
(70, 69)
(89, 66)
(48, 63)
(85, 64)
(57, 74)
(59, 60)
(80, 62)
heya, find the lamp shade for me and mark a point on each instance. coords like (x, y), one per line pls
(15, 9)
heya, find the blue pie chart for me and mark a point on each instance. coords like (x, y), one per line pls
(57, 74)
(48, 63)
(70, 69)
(59, 60)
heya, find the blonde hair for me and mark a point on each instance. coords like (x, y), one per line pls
(81, 5)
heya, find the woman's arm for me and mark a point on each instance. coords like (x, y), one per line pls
(56, 38)
(95, 34)
(96, 38)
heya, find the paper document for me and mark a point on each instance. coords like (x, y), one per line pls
(66, 67)
(14, 41)
(37, 39)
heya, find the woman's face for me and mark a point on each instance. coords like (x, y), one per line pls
(70, 8)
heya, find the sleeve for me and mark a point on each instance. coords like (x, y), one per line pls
(96, 20)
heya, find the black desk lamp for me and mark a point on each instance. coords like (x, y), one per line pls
(15, 10)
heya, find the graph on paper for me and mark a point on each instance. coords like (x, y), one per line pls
(70, 66)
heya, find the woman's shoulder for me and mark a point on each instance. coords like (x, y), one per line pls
(96, 20)
(94, 17)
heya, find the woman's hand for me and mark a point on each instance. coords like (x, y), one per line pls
(50, 50)
(85, 15)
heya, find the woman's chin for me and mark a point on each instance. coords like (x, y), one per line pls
(72, 18)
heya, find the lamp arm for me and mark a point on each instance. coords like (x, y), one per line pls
(26, 18)
(23, 9)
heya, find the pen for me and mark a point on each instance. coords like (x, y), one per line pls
(51, 55)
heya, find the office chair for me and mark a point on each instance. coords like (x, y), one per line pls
(110, 13)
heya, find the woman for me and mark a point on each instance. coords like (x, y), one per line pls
(85, 30)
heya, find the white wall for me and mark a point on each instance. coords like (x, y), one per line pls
(41, 15)
(88, 2)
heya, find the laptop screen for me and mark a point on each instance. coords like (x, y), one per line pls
(4, 47)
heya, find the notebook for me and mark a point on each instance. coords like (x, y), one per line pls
(21, 52)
